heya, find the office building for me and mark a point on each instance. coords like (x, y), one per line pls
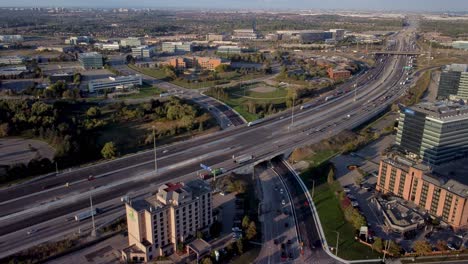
(108, 46)
(460, 44)
(245, 34)
(176, 47)
(304, 36)
(440, 191)
(229, 49)
(337, 34)
(158, 223)
(90, 60)
(80, 40)
(13, 72)
(64, 77)
(142, 52)
(434, 132)
(12, 60)
(205, 63)
(11, 38)
(115, 83)
(453, 82)
(130, 42)
(337, 74)
(216, 37)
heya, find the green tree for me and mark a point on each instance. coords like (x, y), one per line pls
(207, 260)
(422, 247)
(442, 245)
(393, 248)
(251, 231)
(4, 130)
(93, 112)
(199, 235)
(109, 150)
(240, 246)
(222, 68)
(245, 222)
(378, 244)
(331, 176)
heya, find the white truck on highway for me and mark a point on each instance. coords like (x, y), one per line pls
(242, 158)
(256, 122)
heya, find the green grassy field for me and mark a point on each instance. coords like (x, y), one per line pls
(237, 97)
(330, 213)
(144, 92)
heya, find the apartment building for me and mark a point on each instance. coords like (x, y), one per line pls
(176, 47)
(173, 215)
(440, 191)
(454, 82)
(436, 132)
(115, 83)
(91, 60)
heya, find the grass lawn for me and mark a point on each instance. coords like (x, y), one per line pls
(236, 98)
(153, 72)
(330, 213)
(144, 92)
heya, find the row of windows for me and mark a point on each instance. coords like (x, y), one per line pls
(422, 201)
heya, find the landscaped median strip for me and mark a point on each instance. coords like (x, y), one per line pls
(318, 224)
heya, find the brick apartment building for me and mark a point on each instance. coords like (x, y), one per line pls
(338, 74)
(174, 214)
(441, 191)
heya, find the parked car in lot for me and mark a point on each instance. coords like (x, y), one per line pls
(346, 190)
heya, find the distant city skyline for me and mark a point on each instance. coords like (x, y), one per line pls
(413, 5)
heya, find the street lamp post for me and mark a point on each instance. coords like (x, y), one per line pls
(154, 148)
(93, 232)
(292, 112)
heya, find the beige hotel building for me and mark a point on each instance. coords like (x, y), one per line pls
(156, 224)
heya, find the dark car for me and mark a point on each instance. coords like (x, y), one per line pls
(283, 246)
(276, 241)
(290, 255)
(286, 224)
(289, 242)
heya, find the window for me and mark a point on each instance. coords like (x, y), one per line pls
(424, 191)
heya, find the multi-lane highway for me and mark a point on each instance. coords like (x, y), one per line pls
(49, 199)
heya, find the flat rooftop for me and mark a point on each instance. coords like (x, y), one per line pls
(443, 110)
(90, 54)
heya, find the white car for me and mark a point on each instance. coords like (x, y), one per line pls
(281, 191)
(283, 202)
(346, 190)
(32, 231)
(355, 204)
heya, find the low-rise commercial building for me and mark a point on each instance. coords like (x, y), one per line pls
(436, 132)
(64, 77)
(440, 190)
(216, 37)
(205, 63)
(11, 38)
(78, 40)
(337, 34)
(107, 46)
(242, 34)
(12, 60)
(91, 60)
(158, 223)
(142, 52)
(130, 42)
(229, 49)
(13, 72)
(176, 47)
(115, 83)
(460, 44)
(337, 74)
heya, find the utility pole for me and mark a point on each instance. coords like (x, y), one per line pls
(93, 232)
(313, 189)
(385, 251)
(337, 241)
(154, 148)
(56, 168)
(292, 111)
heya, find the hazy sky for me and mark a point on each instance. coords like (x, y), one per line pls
(425, 5)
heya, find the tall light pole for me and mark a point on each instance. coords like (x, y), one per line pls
(93, 232)
(292, 111)
(313, 189)
(154, 149)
